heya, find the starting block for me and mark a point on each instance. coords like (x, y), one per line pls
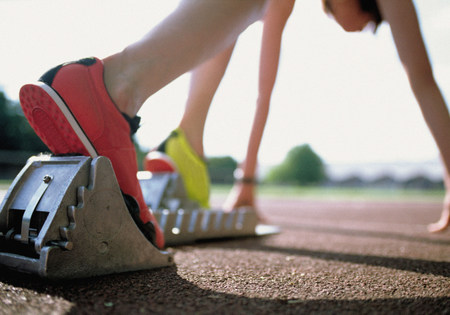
(182, 220)
(65, 217)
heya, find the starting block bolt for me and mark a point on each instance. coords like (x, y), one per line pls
(66, 245)
(102, 247)
(47, 179)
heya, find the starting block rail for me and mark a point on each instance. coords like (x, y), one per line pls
(182, 220)
(187, 226)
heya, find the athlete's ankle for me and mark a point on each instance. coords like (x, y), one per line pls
(119, 86)
(194, 138)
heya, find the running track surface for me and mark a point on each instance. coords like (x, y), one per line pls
(331, 257)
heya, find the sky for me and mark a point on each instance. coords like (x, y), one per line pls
(345, 94)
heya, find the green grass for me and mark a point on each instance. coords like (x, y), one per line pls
(327, 193)
(339, 193)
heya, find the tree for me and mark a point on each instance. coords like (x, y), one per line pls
(221, 169)
(16, 133)
(302, 166)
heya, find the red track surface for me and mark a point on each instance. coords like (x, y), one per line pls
(331, 257)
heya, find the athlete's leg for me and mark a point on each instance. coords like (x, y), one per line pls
(196, 31)
(402, 18)
(205, 80)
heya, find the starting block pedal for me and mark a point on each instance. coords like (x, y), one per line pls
(65, 217)
(182, 220)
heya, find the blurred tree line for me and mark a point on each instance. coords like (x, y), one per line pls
(221, 169)
(302, 166)
(16, 133)
(18, 141)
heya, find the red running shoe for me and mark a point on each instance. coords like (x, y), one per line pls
(71, 111)
(158, 162)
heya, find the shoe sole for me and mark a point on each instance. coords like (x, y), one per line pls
(50, 117)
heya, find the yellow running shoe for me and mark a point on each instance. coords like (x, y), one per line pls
(190, 166)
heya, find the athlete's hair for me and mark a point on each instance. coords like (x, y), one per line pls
(369, 6)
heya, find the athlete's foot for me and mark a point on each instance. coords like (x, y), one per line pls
(442, 224)
(191, 167)
(72, 113)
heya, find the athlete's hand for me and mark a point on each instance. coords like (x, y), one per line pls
(242, 195)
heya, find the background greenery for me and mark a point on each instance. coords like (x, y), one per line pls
(323, 193)
(302, 173)
(16, 133)
(302, 166)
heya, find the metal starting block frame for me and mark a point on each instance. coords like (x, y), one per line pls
(65, 217)
(182, 220)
